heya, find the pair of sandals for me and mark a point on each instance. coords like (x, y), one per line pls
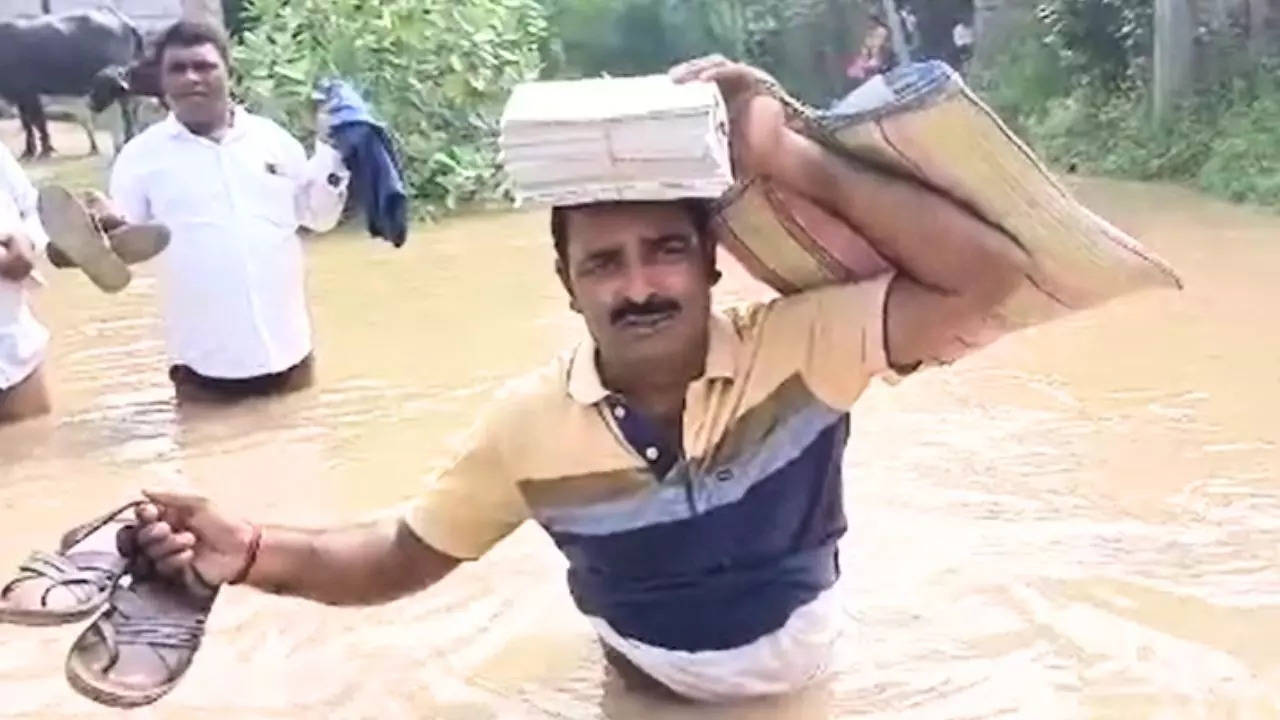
(145, 629)
(85, 233)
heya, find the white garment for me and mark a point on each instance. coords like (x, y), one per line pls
(232, 288)
(784, 661)
(22, 339)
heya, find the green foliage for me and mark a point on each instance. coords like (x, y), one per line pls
(1102, 42)
(1244, 160)
(233, 14)
(1082, 101)
(800, 41)
(1021, 77)
(1114, 135)
(437, 71)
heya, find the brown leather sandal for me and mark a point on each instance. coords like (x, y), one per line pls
(138, 649)
(52, 588)
(77, 237)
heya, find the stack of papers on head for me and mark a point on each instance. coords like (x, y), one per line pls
(610, 139)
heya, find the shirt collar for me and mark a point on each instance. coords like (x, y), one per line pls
(586, 387)
(177, 129)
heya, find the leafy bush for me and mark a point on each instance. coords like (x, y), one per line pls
(799, 41)
(1244, 160)
(1101, 42)
(1081, 99)
(436, 71)
(1020, 78)
(1114, 135)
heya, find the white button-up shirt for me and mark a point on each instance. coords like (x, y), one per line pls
(231, 282)
(22, 339)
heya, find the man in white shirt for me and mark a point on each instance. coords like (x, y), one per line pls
(22, 338)
(233, 188)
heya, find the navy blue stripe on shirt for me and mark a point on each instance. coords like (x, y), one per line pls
(727, 576)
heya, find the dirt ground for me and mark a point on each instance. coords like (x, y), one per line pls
(71, 164)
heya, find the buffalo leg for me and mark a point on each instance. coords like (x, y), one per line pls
(91, 130)
(127, 118)
(36, 108)
(28, 128)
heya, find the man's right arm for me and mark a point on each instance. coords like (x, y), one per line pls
(358, 565)
(460, 514)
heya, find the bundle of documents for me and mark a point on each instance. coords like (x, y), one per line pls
(611, 139)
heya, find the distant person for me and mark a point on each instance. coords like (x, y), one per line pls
(233, 188)
(874, 57)
(23, 339)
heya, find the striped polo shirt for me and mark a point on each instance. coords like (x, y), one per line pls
(690, 552)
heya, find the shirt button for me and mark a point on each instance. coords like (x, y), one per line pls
(651, 454)
(619, 412)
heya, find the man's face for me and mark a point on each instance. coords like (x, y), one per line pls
(194, 81)
(641, 279)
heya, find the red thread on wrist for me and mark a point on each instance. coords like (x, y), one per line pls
(250, 557)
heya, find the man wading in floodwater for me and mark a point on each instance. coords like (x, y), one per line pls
(233, 188)
(687, 463)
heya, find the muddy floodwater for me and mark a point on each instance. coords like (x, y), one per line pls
(1082, 521)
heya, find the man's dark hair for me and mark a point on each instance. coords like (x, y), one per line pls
(190, 33)
(699, 211)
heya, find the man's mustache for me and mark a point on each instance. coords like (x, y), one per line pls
(651, 306)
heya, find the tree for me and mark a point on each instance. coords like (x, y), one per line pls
(437, 72)
(1174, 53)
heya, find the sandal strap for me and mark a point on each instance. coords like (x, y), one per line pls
(55, 566)
(64, 572)
(159, 632)
(80, 532)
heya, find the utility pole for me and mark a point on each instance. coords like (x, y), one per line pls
(896, 31)
(1174, 53)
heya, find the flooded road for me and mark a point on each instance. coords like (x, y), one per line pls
(1082, 521)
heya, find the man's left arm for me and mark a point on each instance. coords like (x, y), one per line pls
(323, 192)
(321, 185)
(953, 268)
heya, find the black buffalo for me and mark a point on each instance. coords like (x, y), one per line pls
(116, 83)
(60, 55)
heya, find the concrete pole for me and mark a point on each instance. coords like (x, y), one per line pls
(209, 11)
(1260, 19)
(987, 15)
(1174, 53)
(897, 32)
